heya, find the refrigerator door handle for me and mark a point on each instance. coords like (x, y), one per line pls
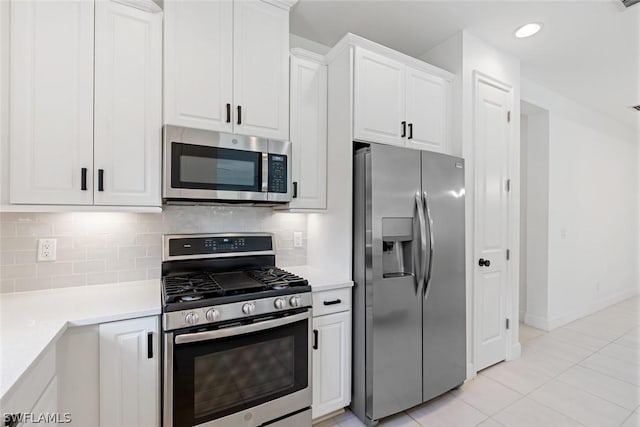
(429, 219)
(420, 265)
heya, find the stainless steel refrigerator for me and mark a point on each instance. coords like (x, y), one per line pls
(409, 273)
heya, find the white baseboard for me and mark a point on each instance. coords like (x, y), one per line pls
(537, 322)
(515, 352)
(565, 319)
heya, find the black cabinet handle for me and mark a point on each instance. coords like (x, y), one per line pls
(239, 114)
(315, 339)
(484, 262)
(404, 129)
(83, 179)
(334, 302)
(410, 131)
(150, 345)
(100, 179)
(295, 189)
(228, 113)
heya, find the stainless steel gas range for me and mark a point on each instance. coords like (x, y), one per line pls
(237, 333)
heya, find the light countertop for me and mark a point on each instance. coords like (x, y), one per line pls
(320, 280)
(31, 321)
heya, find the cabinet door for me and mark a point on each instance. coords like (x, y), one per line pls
(379, 99)
(198, 63)
(130, 373)
(261, 69)
(51, 109)
(428, 100)
(309, 133)
(331, 363)
(128, 105)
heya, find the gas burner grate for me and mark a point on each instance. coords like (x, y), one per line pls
(277, 278)
(191, 287)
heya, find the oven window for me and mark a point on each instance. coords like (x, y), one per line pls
(216, 378)
(210, 168)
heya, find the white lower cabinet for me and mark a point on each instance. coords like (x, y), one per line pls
(46, 408)
(130, 373)
(332, 356)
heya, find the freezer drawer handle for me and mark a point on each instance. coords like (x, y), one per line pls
(333, 302)
(315, 339)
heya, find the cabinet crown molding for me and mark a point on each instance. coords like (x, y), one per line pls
(308, 54)
(282, 4)
(354, 40)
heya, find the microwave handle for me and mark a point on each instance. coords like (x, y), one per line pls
(265, 172)
(240, 330)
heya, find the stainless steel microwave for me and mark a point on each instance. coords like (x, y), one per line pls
(203, 166)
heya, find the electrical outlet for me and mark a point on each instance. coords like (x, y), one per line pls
(297, 239)
(47, 249)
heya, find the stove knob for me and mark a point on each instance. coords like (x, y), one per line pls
(191, 318)
(212, 315)
(294, 301)
(248, 308)
(280, 303)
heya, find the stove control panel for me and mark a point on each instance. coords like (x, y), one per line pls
(237, 310)
(207, 246)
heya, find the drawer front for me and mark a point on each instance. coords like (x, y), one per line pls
(332, 301)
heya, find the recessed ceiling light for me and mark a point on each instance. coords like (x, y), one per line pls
(528, 30)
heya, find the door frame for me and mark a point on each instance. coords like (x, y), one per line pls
(513, 349)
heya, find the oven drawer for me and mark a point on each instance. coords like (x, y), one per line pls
(301, 419)
(331, 301)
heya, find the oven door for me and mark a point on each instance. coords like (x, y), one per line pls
(241, 376)
(205, 165)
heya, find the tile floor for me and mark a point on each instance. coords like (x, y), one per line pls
(584, 374)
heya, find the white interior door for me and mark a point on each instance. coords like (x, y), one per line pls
(128, 106)
(261, 69)
(492, 137)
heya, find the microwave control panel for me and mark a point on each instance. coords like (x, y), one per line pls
(277, 173)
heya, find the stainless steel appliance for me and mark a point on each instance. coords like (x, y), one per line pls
(237, 334)
(203, 166)
(409, 274)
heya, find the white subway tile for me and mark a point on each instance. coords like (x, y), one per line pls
(18, 243)
(33, 284)
(48, 269)
(25, 257)
(95, 266)
(17, 271)
(148, 262)
(7, 286)
(130, 275)
(102, 278)
(68, 281)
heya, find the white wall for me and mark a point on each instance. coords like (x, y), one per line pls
(463, 54)
(593, 207)
(297, 41)
(535, 197)
(522, 288)
(4, 101)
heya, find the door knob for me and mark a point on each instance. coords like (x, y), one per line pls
(484, 262)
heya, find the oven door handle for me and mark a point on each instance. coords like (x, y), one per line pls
(239, 330)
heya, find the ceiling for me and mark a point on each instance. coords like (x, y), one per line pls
(588, 50)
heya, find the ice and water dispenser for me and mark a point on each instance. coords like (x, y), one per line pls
(397, 241)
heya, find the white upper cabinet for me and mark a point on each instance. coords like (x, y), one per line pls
(428, 110)
(379, 98)
(198, 64)
(227, 66)
(128, 105)
(308, 131)
(51, 108)
(261, 69)
(398, 104)
(86, 103)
